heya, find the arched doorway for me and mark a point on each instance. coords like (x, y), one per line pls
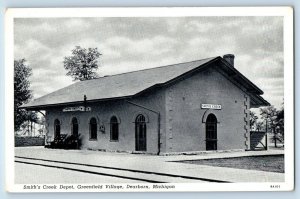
(56, 128)
(74, 127)
(211, 132)
(140, 133)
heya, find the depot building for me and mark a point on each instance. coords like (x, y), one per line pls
(193, 106)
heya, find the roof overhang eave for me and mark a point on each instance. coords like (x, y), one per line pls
(258, 101)
(251, 86)
(47, 106)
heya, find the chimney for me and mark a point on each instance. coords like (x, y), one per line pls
(229, 58)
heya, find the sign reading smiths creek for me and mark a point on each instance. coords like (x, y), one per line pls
(76, 108)
(211, 106)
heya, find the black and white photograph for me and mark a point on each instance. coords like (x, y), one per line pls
(150, 99)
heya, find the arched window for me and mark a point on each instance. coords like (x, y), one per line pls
(93, 129)
(114, 129)
(211, 132)
(74, 126)
(140, 119)
(56, 128)
(140, 133)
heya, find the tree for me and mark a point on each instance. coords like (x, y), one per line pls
(22, 93)
(280, 121)
(275, 121)
(260, 126)
(269, 114)
(82, 64)
(30, 119)
(253, 120)
(256, 124)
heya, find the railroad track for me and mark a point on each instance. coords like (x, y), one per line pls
(130, 174)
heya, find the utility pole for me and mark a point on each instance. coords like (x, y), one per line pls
(84, 102)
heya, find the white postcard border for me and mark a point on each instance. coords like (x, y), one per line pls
(286, 12)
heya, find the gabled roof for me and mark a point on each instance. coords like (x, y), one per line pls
(127, 84)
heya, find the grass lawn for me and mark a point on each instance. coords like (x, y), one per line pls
(272, 163)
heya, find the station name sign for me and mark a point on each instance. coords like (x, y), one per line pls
(211, 106)
(76, 108)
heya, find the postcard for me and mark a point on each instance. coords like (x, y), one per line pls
(144, 99)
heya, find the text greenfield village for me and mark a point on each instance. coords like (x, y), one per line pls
(98, 187)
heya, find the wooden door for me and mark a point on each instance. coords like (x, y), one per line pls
(140, 134)
(211, 132)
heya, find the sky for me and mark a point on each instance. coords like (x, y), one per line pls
(129, 44)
